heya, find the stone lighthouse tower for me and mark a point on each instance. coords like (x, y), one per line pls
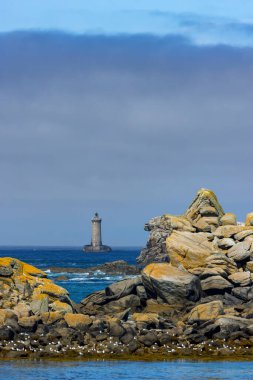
(96, 237)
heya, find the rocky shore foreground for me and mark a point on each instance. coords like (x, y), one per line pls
(193, 297)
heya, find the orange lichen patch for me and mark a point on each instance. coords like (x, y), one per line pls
(23, 279)
(39, 296)
(50, 317)
(52, 290)
(20, 267)
(32, 271)
(188, 249)
(77, 320)
(164, 271)
(158, 308)
(145, 317)
(6, 261)
(249, 219)
(206, 311)
(61, 306)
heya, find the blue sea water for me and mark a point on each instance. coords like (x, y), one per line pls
(125, 370)
(79, 286)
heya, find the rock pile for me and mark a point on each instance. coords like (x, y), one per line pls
(194, 296)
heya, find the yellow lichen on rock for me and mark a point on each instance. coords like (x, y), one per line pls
(146, 317)
(249, 219)
(77, 320)
(204, 197)
(188, 250)
(52, 289)
(51, 317)
(206, 311)
(32, 271)
(61, 306)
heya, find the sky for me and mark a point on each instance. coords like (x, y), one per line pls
(125, 108)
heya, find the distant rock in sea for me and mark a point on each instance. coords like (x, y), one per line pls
(119, 267)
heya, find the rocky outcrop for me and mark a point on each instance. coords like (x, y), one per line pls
(113, 268)
(194, 298)
(205, 212)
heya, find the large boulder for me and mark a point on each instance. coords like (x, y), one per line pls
(228, 219)
(78, 321)
(170, 284)
(206, 311)
(249, 219)
(123, 288)
(241, 251)
(205, 211)
(189, 250)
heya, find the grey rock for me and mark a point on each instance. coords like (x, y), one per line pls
(6, 333)
(39, 306)
(116, 330)
(131, 301)
(6, 271)
(244, 293)
(215, 283)
(243, 234)
(226, 243)
(148, 339)
(123, 288)
(240, 251)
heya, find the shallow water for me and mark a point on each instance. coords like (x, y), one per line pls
(26, 370)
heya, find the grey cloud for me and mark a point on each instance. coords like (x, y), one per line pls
(129, 125)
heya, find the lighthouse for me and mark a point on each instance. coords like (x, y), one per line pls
(96, 237)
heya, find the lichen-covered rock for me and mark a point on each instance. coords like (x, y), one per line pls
(6, 315)
(228, 219)
(249, 266)
(229, 231)
(249, 219)
(50, 317)
(123, 288)
(220, 261)
(215, 283)
(240, 278)
(22, 310)
(79, 321)
(226, 243)
(205, 211)
(242, 235)
(170, 284)
(39, 303)
(240, 251)
(206, 311)
(188, 250)
(52, 289)
(61, 306)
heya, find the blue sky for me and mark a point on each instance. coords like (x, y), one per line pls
(122, 107)
(205, 22)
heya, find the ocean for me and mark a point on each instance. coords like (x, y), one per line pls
(80, 285)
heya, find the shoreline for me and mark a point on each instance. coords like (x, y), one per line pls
(206, 351)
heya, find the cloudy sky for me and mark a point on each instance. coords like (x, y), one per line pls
(121, 107)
